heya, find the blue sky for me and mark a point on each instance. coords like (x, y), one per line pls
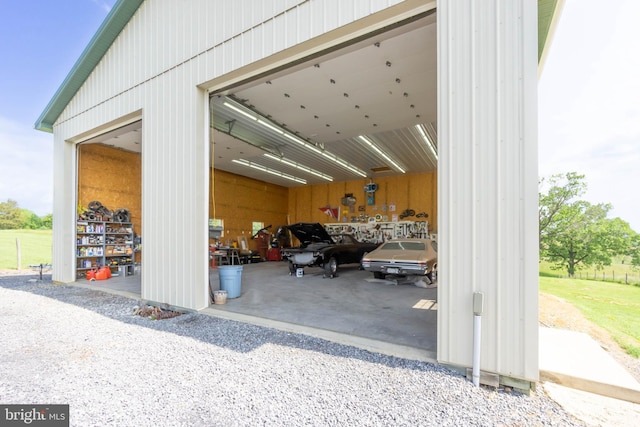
(40, 40)
(589, 102)
(589, 106)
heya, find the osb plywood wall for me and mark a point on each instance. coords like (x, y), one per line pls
(113, 177)
(416, 191)
(240, 201)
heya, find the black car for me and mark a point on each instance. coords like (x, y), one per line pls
(319, 248)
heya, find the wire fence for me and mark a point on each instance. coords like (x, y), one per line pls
(627, 278)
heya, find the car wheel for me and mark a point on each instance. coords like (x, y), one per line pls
(378, 274)
(292, 269)
(330, 268)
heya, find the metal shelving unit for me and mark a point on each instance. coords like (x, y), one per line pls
(100, 243)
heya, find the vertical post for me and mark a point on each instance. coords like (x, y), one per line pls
(478, 302)
(18, 253)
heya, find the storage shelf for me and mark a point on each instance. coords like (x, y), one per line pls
(100, 230)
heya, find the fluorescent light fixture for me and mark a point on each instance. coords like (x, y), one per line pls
(270, 126)
(344, 164)
(295, 139)
(302, 142)
(239, 110)
(427, 140)
(299, 166)
(381, 153)
(235, 106)
(269, 170)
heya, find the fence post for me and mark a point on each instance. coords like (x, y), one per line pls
(19, 254)
(626, 278)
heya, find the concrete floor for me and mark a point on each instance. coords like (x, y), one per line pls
(353, 303)
(354, 306)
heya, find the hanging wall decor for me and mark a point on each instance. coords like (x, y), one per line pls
(370, 190)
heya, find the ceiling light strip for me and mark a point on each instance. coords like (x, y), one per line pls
(382, 153)
(344, 164)
(427, 140)
(270, 126)
(239, 110)
(299, 166)
(265, 169)
(235, 106)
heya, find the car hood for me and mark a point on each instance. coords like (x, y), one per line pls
(310, 232)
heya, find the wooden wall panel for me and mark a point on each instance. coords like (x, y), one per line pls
(112, 177)
(415, 191)
(239, 201)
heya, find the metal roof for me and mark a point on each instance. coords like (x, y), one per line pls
(115, 21)
(122, 12)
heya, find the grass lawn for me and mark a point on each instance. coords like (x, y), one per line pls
(35, 246)
(613, 306)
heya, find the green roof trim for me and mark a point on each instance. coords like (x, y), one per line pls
(123, 10)
(548, 14)
(113, 24)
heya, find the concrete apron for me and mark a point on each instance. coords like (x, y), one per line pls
(575, 360)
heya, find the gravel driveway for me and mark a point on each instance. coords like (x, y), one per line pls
(68, 345)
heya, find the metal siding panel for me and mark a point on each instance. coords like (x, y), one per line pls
(486, 190)
(139, 73)
(64, 228)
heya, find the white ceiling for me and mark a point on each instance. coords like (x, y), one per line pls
(380, 87)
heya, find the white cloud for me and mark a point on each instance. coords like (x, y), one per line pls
(103, 5)
(589, 112)
(26, 166)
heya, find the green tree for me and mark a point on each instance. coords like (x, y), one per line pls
(10, 215)
(47, 221)
(574, 233)
(562, 189)
(634, 251)
(29, 220)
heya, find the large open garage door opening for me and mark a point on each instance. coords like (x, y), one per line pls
(109, 209)
(347, 139)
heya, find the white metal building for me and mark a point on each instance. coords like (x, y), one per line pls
(158, 62)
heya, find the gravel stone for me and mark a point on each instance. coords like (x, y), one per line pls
(63, 344)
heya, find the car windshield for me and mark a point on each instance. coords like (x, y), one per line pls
(404, 246)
